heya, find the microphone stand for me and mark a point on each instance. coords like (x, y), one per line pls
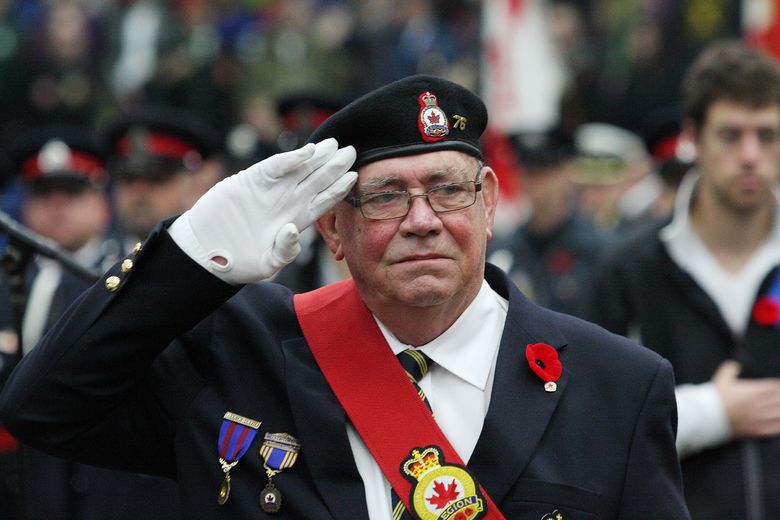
(23, 237)
(23, 243)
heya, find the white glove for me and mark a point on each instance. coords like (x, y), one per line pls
(246, 227)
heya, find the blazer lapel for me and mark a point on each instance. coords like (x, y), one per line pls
(520, 409)
(321, 423)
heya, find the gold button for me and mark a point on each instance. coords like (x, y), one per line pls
(112, 283)
(127, 264)
(137, 248)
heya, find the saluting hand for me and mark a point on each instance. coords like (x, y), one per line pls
(246, 227)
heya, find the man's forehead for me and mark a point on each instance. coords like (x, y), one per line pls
(727, 111)
(437, 164)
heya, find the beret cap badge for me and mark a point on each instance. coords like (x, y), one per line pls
(433, 121)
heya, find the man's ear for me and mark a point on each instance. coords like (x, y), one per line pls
(326, 225)
(490, 197)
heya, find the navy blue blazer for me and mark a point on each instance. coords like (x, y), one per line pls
(139, 377)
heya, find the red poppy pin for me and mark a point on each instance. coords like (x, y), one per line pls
(543, 360)
(767, 311)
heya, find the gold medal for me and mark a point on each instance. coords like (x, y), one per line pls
(235, 436)
(270, 498)
(224, 491)
(224, 488)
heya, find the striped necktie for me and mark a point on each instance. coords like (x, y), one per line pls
(416, 364)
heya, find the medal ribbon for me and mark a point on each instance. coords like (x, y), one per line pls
(234, 440)
(277, 458)
(235, 436)
(370, 383)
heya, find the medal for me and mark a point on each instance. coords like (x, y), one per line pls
(235, 436)
(279, 451)
(270, 498)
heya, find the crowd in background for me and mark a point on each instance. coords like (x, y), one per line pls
(232, 62)
(260, 74)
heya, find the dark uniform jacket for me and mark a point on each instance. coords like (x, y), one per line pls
(107, 386)
(641, 290)
(554, 269)
(50, 488)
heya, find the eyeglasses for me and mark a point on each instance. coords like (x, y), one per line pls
(387, 205)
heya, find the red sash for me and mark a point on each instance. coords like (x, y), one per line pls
(370, 384)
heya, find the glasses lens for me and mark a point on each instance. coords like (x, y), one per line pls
(453, 196)
(390, 204)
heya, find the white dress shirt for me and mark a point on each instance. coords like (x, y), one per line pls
(458, 387)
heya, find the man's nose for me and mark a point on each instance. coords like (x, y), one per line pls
(750, 147)
(421, 218)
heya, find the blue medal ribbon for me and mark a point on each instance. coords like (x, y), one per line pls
(235, 436)
(279, 451)
(234, 440)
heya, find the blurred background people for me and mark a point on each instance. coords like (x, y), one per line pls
(551, 254)
(673, 155)
(704, 292)
(300, 113)
(63, 179)
(161, 161)
(62, 69)
(616, 185)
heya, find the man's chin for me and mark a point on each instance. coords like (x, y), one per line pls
(425, 290)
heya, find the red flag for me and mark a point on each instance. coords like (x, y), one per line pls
(762, 25)
(523, 74)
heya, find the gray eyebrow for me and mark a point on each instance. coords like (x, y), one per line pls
(382, 183)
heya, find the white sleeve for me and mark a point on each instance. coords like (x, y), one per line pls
(181, 233)
(702, 420)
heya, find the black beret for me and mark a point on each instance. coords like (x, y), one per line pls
(414, 115)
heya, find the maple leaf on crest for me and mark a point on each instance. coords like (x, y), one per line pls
(433, 118)
(444, 494)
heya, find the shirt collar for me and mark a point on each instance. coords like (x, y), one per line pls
(459, 349)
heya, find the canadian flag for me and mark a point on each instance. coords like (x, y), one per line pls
(523, 80)
(762, 24)
(523, 75)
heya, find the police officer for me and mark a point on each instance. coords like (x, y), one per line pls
(552, 253)
(161, 160)
(62, 174)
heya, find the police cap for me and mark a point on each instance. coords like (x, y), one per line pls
(156, 142)
(61, 156)
(543, 150)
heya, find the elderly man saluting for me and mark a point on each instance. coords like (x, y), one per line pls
(426, 385)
